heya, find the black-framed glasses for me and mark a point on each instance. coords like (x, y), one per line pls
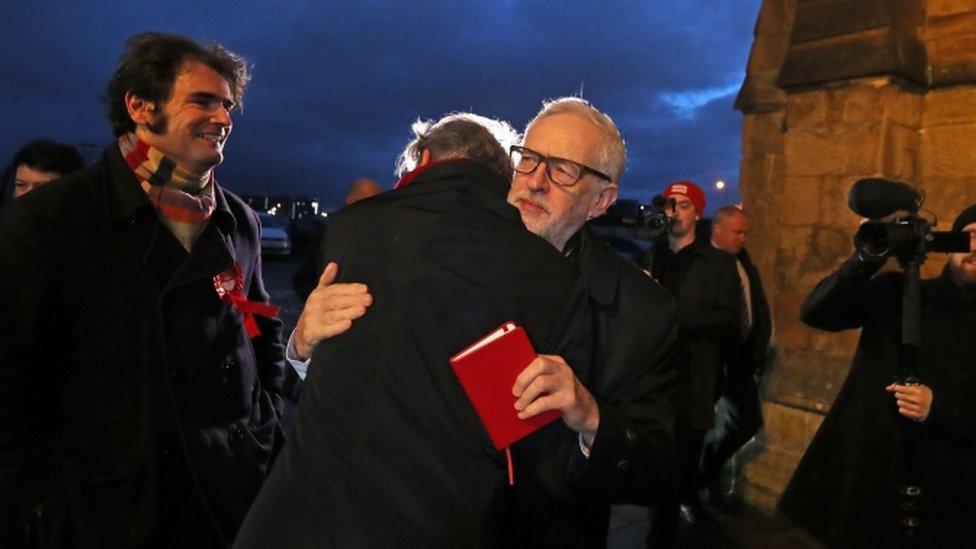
(561, 171)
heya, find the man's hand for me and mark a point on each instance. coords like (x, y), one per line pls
(548, 383)
(329, 311)
(914, 401)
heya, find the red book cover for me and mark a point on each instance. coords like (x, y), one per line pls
(487, 370)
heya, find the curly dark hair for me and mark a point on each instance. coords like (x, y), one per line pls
(149, 66)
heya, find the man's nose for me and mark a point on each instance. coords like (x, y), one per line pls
(221, 116)
(538, 180)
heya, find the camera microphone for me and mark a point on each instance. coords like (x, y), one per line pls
(877, 198)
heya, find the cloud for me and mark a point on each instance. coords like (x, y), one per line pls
(685, 104)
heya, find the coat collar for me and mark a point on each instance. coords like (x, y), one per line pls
(598, 267)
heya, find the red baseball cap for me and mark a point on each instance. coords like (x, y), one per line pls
(690, 190)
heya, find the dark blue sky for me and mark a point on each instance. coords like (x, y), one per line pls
(336, 85)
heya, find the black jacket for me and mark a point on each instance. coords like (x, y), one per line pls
(749, 357)
(843, 489)
(637, 369)
(132, 400)
(386, 449)
(705, 283)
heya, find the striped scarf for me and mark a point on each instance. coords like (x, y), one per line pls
(183, 201)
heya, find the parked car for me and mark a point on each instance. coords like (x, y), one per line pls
(274, 237)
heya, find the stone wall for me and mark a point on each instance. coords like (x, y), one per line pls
(839, 90)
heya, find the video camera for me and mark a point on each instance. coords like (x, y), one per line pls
(907, 237)
(654, 218)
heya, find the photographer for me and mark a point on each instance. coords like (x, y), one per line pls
(879, 432)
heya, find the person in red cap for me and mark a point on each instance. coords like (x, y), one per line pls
(705, 282)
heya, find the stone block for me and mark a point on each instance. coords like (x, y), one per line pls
(775, 17)
(801, 201)
(833, 204)
(954, 105)
(763, 133)
(788, 430)
(790, 332)
(806, 109)
(949, 26)
(759, 93)
(948, 152)
(817, 20)
(903, 103)
(899, 152)
(805, 378)
(936, 8)
(826, 248)
(838, 151)
(760, 179)
(862, 100)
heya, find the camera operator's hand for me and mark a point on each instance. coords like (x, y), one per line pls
(914, 401)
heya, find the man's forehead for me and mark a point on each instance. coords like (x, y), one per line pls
(564, 135)
(196, 77)
(680, 198)
(971, 228)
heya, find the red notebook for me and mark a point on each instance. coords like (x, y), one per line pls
(487, 371)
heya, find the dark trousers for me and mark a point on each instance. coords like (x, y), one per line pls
(665, 515)
(741, 420)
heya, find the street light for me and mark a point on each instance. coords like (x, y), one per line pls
(720, 187)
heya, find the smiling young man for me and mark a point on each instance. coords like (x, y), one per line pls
(140, 369)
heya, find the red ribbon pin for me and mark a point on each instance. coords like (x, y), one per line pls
(230, 289)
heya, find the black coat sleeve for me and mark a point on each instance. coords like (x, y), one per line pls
(842, 300)
(633, 459)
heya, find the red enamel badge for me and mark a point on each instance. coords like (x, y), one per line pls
(230, 289)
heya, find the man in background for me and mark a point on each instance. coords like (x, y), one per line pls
(743, 361)
(307, 274)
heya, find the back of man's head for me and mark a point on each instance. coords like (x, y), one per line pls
(612, 151)
(48, 156)
(149, 67)
(461, 135)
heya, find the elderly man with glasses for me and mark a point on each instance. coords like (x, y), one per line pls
(567, 172)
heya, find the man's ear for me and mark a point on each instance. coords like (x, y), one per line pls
(424, 158)
(607, 196)
(140, 110)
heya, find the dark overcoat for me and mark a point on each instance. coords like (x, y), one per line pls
(843, 491)
(705, 282)
(134, 408)
(386, 450)
(637, 369)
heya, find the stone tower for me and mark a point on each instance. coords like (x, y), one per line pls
(839, 90)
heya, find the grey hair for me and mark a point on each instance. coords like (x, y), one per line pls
(461, 135)
(613, 153)
(724, 213)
